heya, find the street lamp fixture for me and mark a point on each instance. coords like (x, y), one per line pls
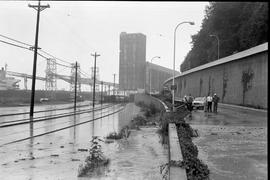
(173, 83)
(150, 73)
(211, 35)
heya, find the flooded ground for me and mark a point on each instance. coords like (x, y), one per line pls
(233, 143)
(39, 107)
(58, 155)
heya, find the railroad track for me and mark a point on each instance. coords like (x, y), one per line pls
(41, 111)
(44, 118)
(66, 127)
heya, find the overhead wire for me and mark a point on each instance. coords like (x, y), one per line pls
(15, 40)
(54, 57)
(14, 44)
(43, 56)
(83, 74)
(30, 49)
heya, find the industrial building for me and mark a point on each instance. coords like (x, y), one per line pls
(158, 75)
(134, 71)
(132, 61)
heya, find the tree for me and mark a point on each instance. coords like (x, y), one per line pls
(239, 26)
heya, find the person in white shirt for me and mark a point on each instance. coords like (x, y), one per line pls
(209, 103)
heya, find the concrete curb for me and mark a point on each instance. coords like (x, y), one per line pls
(165, 106)
(242, 107)
(175, 154)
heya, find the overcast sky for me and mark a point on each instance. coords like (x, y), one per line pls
(73, 30)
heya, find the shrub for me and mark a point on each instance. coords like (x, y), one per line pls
(195, 168)
(94, 160)
(139, 120)
(153, 109)
(114, 135)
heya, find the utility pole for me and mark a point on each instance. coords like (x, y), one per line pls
(90, 89)
(94, 86)
(101, 92)
(38, 8)
(75, 95)
(114, 84)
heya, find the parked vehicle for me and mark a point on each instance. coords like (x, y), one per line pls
(198, 103)
(44, 99)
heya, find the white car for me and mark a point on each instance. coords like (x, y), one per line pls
(198, 103)
(44, 99)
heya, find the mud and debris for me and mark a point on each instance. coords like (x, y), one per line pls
(55, 155)
(233, 150)
(75, 159)
(82, 149)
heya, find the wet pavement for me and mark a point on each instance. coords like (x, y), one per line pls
(233, 142)
(39, 107)
(58, 155)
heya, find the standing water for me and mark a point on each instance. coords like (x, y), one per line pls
(58, 155)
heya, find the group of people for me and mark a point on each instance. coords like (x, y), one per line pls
(209, 100)
(208, 103)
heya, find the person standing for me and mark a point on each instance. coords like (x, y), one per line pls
(205, 103)
(215, 100)
(190, 100)
(185, 101)
(209, 103)
(189, 103)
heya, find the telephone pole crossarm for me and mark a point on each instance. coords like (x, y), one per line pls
(41, 7)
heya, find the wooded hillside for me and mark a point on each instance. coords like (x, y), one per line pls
(238, 26)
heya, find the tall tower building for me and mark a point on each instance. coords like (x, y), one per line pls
(132, 61)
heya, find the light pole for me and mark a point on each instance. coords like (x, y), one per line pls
(173, 84)
(150, 73)
(211, 35)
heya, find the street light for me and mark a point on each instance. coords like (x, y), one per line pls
(173, 84)
(150, 73)
(211, 35)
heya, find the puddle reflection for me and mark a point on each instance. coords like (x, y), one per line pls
(31, 140)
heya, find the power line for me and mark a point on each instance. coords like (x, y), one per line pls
(29, 48)
(14, 44)
(55, 62)
(85, 73)
(63, 65)
(15, 40)
(55, 57)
